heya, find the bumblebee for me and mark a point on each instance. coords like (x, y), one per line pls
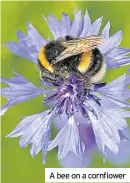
(60, 58)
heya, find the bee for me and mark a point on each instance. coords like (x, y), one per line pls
(65, 56)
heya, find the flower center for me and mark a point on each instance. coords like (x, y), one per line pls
(70, 95)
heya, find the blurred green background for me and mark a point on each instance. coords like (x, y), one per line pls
(17, 164)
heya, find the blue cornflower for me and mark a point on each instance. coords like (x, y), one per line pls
(85, 120)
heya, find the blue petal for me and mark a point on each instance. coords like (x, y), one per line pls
(65, 25)
(22, 50)
(28, 46)
(118, 57)
(79, 118)
(37, 40)
(60, 120)
(76, 26)
(111, 43)
(117, 91)
(108, 103)
(22, 37)
(123, 155)
(102, 138)
(19, 90)
(106, 127)
(86, 25)
(87, 137)
(66, 21)
(54, 26)
(34, 130)
(119, 52)
(95, 27)
(114, 62)
(72, 161)
(105, 31)
(68, 140)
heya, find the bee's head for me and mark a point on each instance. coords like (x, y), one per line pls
(52, 50)
(49, 53)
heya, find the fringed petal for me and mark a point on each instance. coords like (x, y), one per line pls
(19, 90)
(72, 161)
(34, 130)
(37, 40)
(77, 24)
(105, 31)
(111, 43)
(86, 25)
(95, 27)
(29, 44)
(117, 91)
(106, 126)
(123, 155)
(68, 140)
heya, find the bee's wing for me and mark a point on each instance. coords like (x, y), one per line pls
(77, 46)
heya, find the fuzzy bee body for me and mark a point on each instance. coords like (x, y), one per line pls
(60, 58)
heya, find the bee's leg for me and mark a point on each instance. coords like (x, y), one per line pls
(44, 71)
(78, 74)
(49, 80)
(47, 77)
(99, 85)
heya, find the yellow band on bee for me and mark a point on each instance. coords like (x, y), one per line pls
(85, 62)
(43, 60)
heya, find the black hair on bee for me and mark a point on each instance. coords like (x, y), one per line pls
(96, 63)
(53, 49)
